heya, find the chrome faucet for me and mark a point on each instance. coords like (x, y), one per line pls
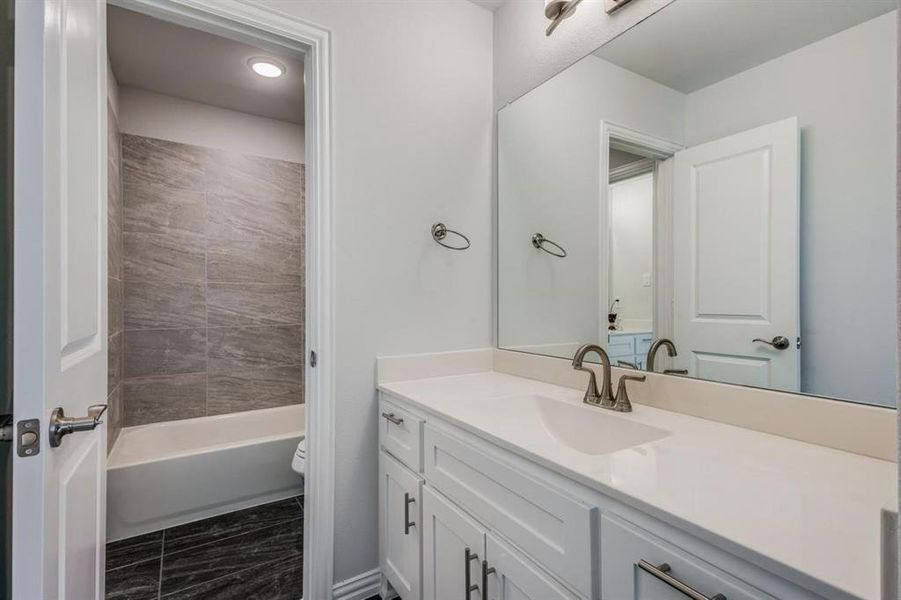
(670, 350)
(604, 398)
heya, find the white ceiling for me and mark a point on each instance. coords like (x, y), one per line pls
(491, 5)
(691, 44)
(195, 65)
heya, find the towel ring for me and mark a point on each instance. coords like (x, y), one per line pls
(539, 241)
(440, 231)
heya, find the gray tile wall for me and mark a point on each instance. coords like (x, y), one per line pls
(213, 273)
(114, 280)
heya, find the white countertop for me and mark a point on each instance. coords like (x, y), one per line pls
(779, 503)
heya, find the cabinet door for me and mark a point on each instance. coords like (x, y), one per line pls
(516, 578)
(452, 550)
(399, 529)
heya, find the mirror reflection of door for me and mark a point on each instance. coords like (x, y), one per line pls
(735, 251)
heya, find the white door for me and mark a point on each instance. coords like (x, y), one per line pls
(735, 254)
(400, 529)
(59, 296)
(453, 547)
(515, 577)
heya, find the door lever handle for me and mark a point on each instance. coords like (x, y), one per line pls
(61, 425)
(780, 342)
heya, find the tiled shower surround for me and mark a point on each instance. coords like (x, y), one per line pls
(115, 336)
(213, 274)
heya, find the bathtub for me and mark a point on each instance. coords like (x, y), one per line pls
(171, 473)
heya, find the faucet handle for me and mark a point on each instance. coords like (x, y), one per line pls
(622, 403)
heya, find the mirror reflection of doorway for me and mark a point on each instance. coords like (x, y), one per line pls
(630, 296)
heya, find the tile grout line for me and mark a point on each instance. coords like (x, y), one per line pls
(206, 298)
(159, 584)
(239, 534)
(239, 326)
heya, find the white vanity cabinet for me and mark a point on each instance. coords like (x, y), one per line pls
(515, 577)
(400, 530)
(453, 547)
(631, 347)
(455, 504)
(636, 565)
(460, 554)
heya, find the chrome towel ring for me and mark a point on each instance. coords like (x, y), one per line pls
(440, 231)
(539, 242)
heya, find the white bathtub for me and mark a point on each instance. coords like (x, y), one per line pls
(170, 473)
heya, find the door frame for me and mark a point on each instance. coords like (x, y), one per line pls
(624, 138)
(263, 27)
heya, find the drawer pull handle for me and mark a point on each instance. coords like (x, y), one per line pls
(407, 522)
(393, 419)
(485, 573)
(662, 572)
(470, 556)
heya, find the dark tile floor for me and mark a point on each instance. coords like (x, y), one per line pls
(251, 554)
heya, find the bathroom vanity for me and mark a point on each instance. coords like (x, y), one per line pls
(699, 183)
(494, 486)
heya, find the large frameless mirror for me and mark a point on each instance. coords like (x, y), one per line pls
(712, 194)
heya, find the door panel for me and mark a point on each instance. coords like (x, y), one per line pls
(447, 533)
(517, 578)
(399, 499)
(59, 287)
(736, 257)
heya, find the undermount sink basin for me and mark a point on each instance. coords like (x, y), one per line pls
(592, 430)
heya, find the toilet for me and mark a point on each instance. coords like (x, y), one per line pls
(298, 463)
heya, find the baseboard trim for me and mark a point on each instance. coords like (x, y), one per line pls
(363, 586)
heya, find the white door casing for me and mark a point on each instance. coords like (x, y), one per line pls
(736, 257)
(59, 295)
(633, 141)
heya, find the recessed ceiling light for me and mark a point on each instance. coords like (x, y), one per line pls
(266, 67)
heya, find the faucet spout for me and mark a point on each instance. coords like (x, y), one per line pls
(604, 397)
(652, 351)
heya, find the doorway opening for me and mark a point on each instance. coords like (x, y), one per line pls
(634, 212)
(208, 302)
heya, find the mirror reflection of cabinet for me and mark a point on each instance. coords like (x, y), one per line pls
(704, 170)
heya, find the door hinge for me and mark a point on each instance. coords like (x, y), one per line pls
(798, 343)
(6, 428)
(313, 359)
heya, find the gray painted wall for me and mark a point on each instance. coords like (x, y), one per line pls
(413, 120)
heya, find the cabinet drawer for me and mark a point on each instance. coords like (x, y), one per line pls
(400, 433)
(547, 523)
(621, 346)
(623, 545)
(642, 345)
